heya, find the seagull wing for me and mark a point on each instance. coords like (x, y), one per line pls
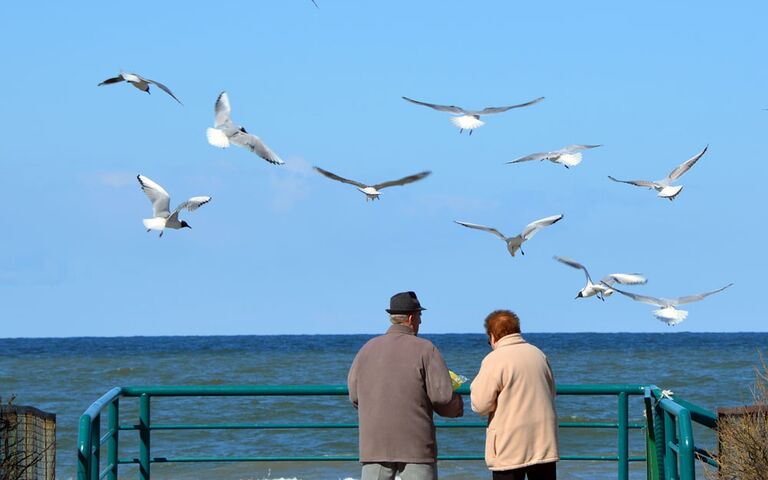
(533, 156)
(624, 279)
(116, 79)
(254, 144)
(658, 302)
(442, 108)
(573, 264)
(685, 166)
(483, 228)
(223, 111)
(163, 88)
(333, 176)
(696, 298)
(576, 148)
(192, 204)
(533, 227)
(402, 181)
(157, 195)
(489, 110)
(637, 183)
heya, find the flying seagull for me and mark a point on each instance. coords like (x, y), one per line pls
(470, 119)
(139, 82)
(226, 132)
(162, 216)
(567, 156)
(602, 288)
(372, 191)
(668, 313)
(663, 186)
(515, 243)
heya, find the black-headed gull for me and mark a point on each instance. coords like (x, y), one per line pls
(668, 313)
(226, 132)
(515, 243)
(372, 191)
(470, 119)
(139, 82)
(567, 156)
(603, 288)
(162, 216)
(664, 186)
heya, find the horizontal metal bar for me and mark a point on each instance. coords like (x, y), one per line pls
(304, 390)
(296, 426)
(351, 458)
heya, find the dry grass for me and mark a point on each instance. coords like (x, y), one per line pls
(743, 436)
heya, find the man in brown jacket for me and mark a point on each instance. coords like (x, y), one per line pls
(515, 388)
(396, 381)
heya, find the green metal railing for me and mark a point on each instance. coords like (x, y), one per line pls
(670, 448)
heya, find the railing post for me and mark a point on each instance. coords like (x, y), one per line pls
(670, 456)
(95, 447)
(623, 440)
(84, 448)
(114, 427)
(685, 445)
(144, 443)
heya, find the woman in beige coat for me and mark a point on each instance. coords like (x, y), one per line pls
(515, 388)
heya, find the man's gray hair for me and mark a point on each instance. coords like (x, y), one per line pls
(398, 318)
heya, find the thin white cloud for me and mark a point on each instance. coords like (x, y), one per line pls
(113, 179)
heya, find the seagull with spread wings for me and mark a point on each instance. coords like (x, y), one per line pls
(139, 82)
(515, 243)
(668, 313)
(603, 288)
(161, 201)
(569, 156)
(664, 186)
(226, 133)
(372, 191)
(470, 119)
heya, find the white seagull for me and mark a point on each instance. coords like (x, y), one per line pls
(372, 191)
(602, 289)
(162, 216)
(567, 156)
(139, 82)
(470, 119)
(668, 313)
(226, 132)
(515, 243)
(663, 186)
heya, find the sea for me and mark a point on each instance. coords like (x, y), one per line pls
(65, 375)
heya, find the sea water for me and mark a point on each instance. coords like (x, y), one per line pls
(65, 375)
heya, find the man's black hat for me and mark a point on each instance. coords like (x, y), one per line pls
(404, 302)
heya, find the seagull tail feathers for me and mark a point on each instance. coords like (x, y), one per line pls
(467, 122)
(217, 138)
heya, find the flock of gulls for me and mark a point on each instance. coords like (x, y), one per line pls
(225, 133)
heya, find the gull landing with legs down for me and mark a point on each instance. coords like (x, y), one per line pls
(470, 119)
(668, 313)
(372, 191)
(515, 243)
(602, 289)
(162, 216)
(664, 186)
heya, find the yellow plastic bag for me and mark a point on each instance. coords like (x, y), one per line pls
(456, 379)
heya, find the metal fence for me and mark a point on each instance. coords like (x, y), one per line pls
(670, 451)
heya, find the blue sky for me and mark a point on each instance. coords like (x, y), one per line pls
(283, 250)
